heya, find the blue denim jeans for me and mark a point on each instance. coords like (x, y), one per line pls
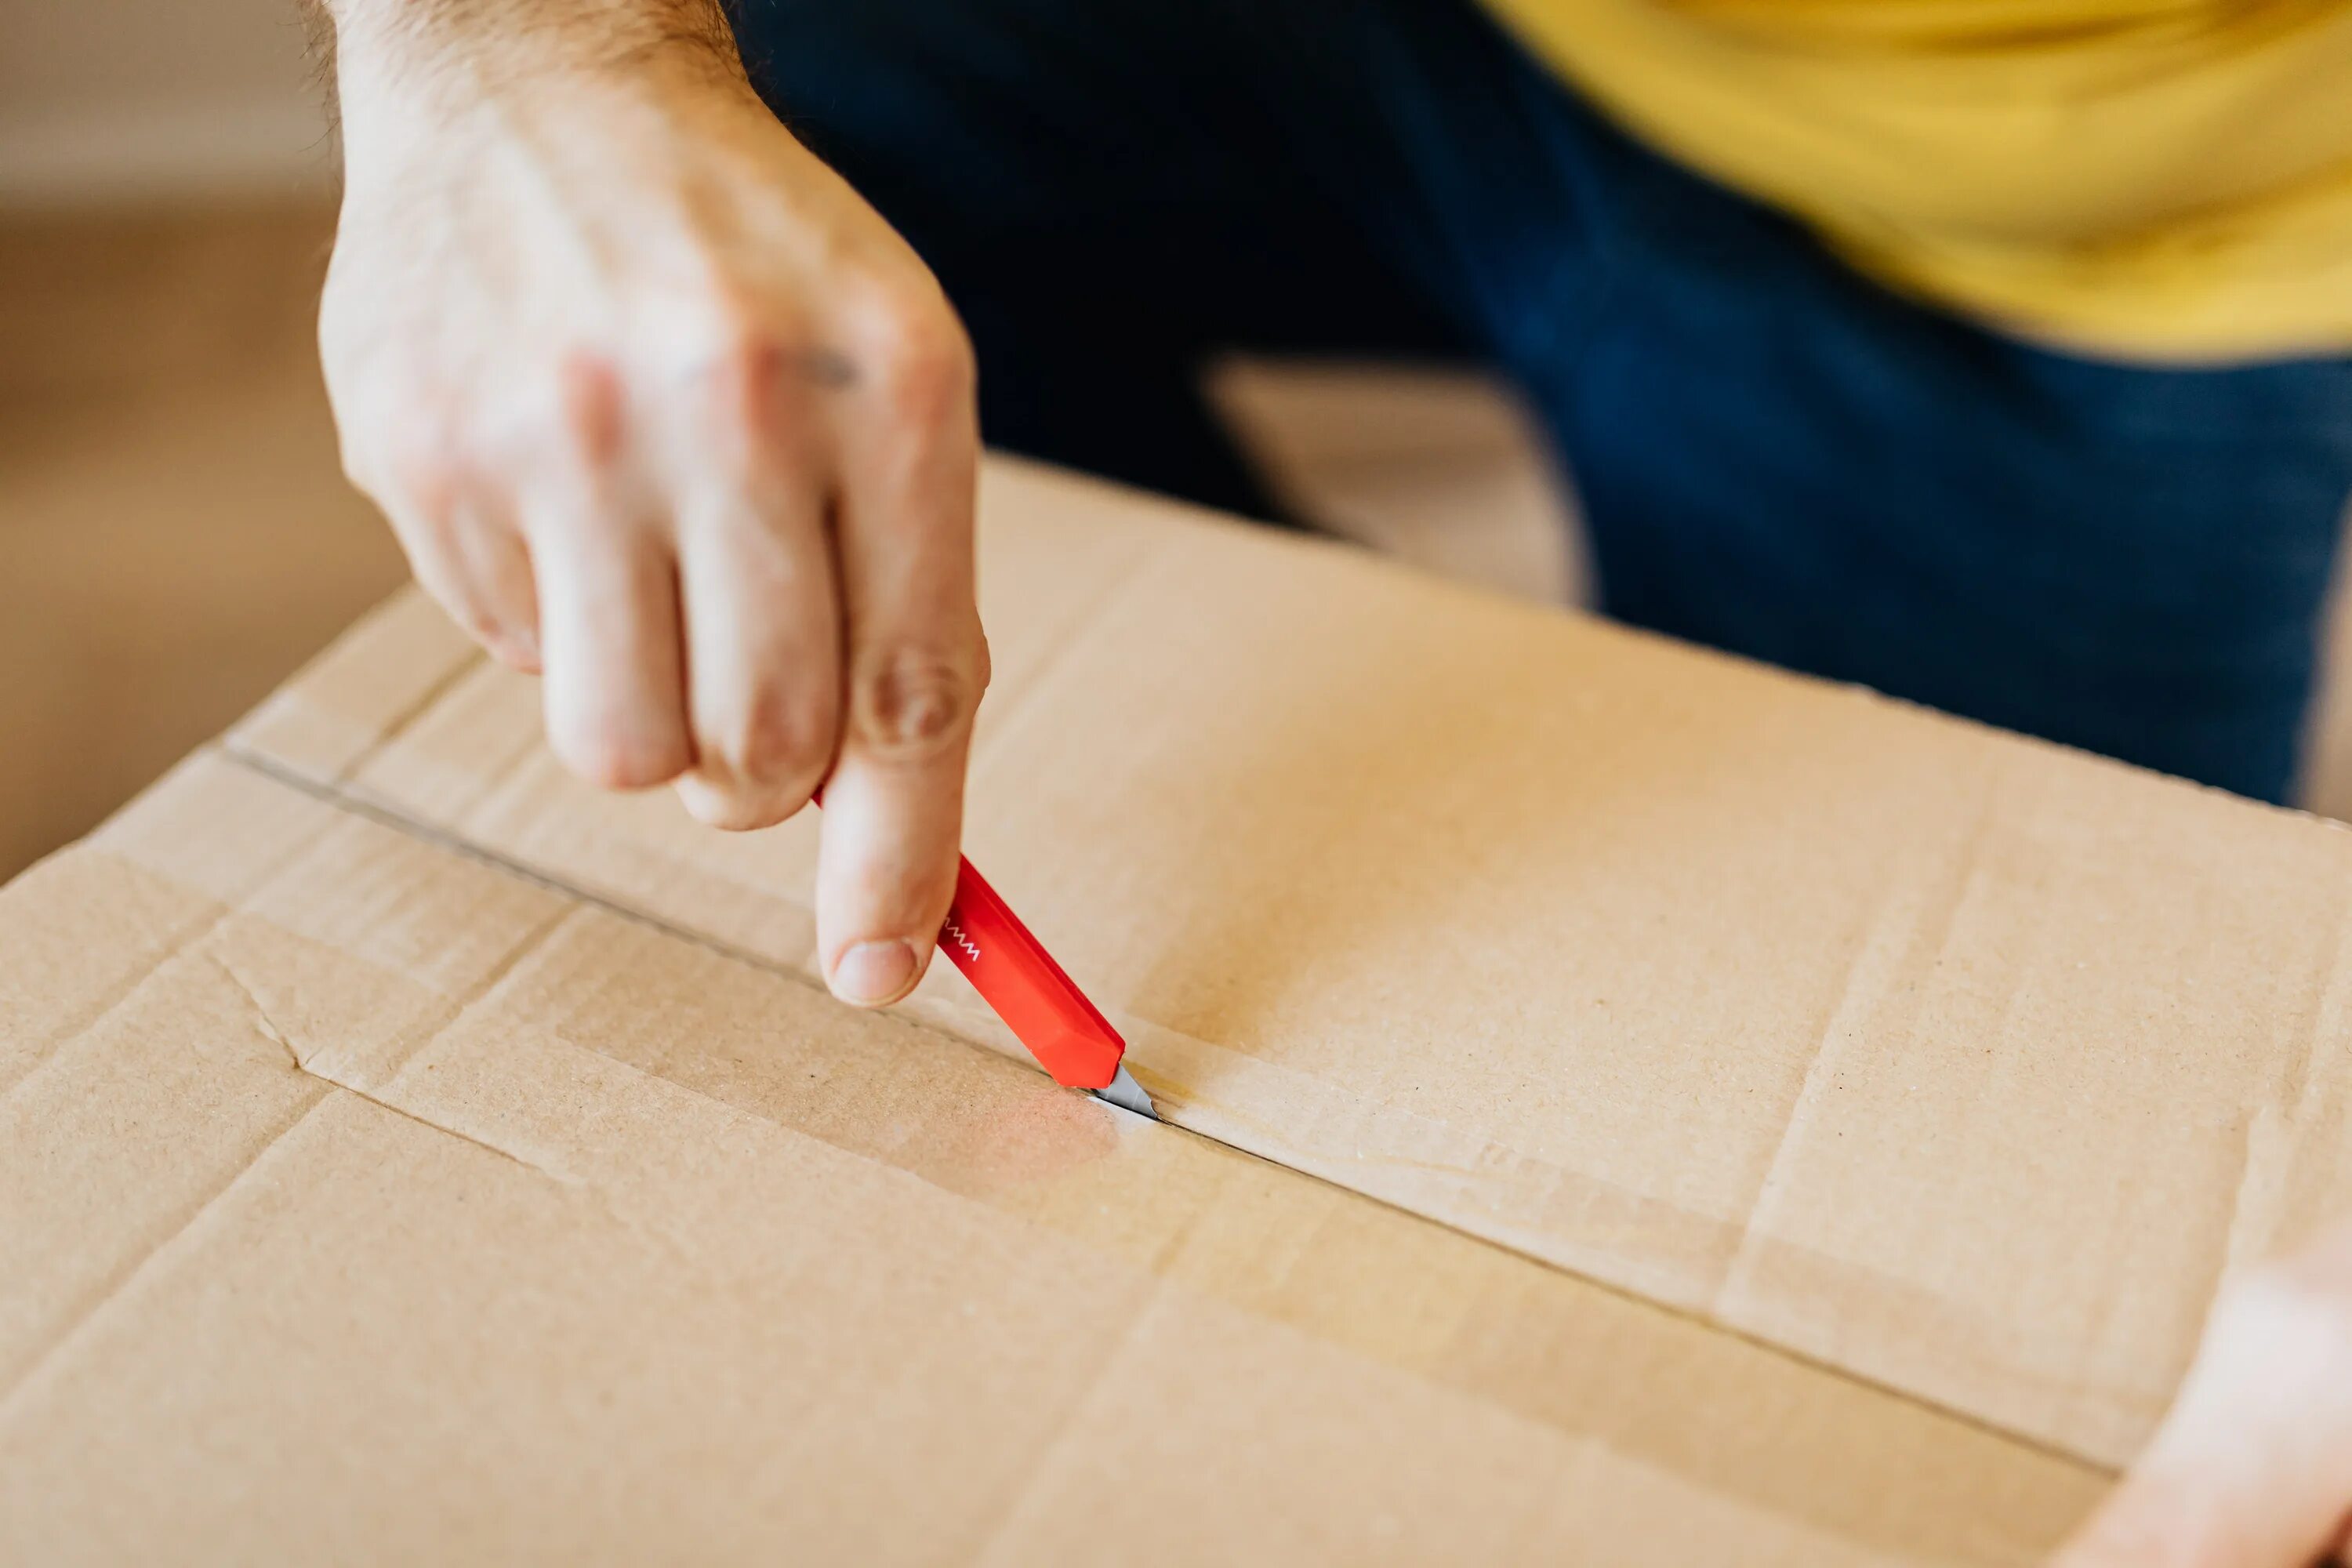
(1774, 454)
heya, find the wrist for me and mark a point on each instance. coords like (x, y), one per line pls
(418, 56)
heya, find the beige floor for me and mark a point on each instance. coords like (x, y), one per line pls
(175, 537)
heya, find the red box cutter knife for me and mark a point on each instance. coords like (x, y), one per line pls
(1038, 1003)
(1043, 1006)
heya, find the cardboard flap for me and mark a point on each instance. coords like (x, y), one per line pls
(1958, 1061)
(396, 1208)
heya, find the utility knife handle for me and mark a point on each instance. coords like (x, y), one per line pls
(1019, 978)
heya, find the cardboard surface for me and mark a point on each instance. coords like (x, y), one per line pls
(1960, 1061)
(366, 1203)
(413, 1153)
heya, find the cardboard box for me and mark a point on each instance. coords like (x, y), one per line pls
(1625, 1105)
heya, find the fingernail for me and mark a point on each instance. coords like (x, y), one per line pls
(872, 974)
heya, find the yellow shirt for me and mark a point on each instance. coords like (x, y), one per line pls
(2152, 179)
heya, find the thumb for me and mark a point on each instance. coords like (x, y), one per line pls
(2252, 1468)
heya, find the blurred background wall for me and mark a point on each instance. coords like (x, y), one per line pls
(123, 100)
(175, 532)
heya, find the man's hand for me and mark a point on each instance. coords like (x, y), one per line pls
(2252, 1468)
(657, 406)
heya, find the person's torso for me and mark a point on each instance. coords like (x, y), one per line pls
(2168, 178)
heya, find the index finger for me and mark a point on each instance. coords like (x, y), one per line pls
(915, 665)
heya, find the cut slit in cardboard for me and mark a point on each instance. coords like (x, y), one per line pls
(1697, 1109)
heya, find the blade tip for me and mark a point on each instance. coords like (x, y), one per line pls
(1123, 1091)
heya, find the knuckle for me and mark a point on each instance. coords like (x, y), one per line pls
(746, 352)
(581, 418)
(783, 738)
(922, 357)
(915, 704)
(562, 416)
(741, 376)
(927, 375)
(779, 735)
(611, 757)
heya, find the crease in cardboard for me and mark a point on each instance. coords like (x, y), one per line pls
(123, 1280)
(2272, 1134)
(2296, 1105)
(1470, 1180)
(120, 1283)
(1910, 1308)
(263, 1024)
(113, 1000)
(187, 937)
(481, 784)
(351, 740)
(2276, 1130)
(1895, 940)
(387, 813)
(1361, 1171)
(1471, 1171)
(404, 721)
(1482, 1361)
(452, 1012)
(484, 812)
(489, 1145)
(673, 881)
(1044, 1468)
(267, 1028)
(203, 946)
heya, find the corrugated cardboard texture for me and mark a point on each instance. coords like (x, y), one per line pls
(407, 1153)
(1961, 1062)
(364, 1202)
